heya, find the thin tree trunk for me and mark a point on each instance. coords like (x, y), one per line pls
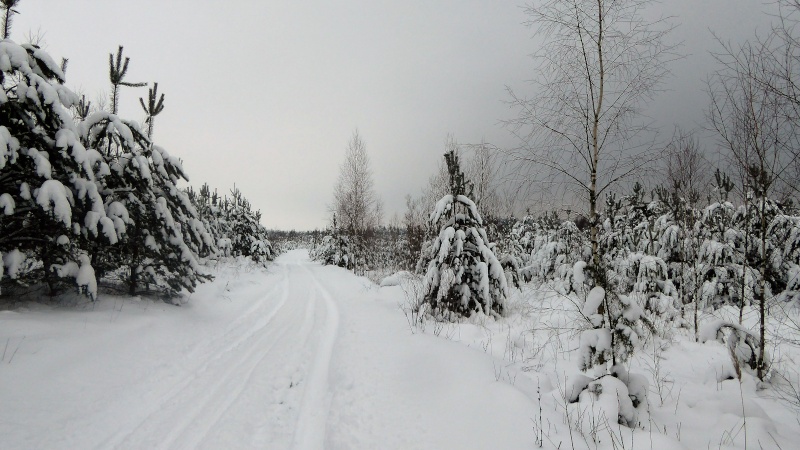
(762, 304)
(744, 259)
(134, 275)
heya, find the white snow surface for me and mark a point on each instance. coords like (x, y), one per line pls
(593, 300)
(302, 356)
(293, 356)
(7, 204)
(52, 195)
(11, 262)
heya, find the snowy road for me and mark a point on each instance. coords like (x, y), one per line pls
(301, 356)
(268, 368)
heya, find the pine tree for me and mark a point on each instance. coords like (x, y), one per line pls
(209, 209)
(232, 224)
(463, 274)
(785, 256)
(152, 108)
(248, 237)
(7, 6)
(117, 69)
(49, 189)
(164, 234)
(334, 248)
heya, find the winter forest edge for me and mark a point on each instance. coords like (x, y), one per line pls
(606, 270)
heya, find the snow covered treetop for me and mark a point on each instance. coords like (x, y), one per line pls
(460, 191)
(446, 208)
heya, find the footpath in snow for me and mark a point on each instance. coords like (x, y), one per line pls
(294, 356)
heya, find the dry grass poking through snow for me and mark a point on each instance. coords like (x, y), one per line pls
(697, 397)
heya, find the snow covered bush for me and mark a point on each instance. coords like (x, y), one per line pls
(261, 251)
(334, 250)
(82, 272)
(463, 276)
(545, 249)
(679, 241)
(646, 278)
(743, 345)
(617, 326)
(720, 268)
(616, 398)
(785, 255)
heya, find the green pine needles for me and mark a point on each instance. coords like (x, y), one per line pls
(117, 69)
(152, 108)
(8, 13)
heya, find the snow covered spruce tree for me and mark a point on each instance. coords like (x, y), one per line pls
(49, 195)
(617, 324)
(635, 267)
(720, 277)
(463, 274)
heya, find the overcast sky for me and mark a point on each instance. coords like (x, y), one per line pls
(266, 94)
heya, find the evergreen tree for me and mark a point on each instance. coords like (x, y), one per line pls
(152, 108)
(243, 225)
(117, 69)
(722, 275)
(209, 209)
(7, 6)
(164, 234)
(463, 274)
(785, 256)
(334, 249)
(232, 224)
(49, 191)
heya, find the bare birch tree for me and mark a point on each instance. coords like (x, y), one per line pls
(483, 171)
(756, 123)
(687, 170)
(584, 129)
(355, 202)
(357, 207)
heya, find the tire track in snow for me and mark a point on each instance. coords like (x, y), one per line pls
(171, 399)
(278, 348)
(206, 412)
(313, 415)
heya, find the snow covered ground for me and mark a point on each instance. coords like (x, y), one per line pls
(295, 356)
(304, 356)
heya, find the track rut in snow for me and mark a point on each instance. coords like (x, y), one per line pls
(310, 430)
(264, 378)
